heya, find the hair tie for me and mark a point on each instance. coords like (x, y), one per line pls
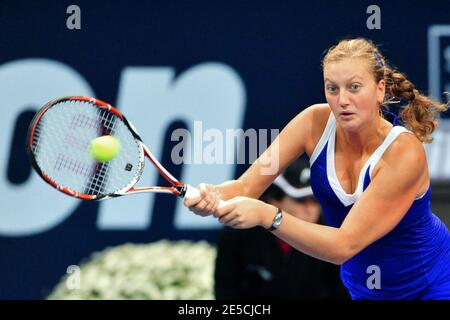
(379, 62)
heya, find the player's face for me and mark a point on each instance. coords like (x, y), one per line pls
(352, 93)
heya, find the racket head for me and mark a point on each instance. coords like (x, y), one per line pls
(58, 144)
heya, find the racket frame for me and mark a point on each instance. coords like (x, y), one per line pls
(178, 188)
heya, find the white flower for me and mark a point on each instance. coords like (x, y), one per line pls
(160, 270)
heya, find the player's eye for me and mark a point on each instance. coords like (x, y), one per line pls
(355, 86)
(331, 89)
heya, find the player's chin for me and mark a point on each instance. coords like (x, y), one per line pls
(351, 125)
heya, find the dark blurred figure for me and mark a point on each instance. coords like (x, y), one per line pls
(254, 264)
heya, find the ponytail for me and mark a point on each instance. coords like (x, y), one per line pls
(419, 115)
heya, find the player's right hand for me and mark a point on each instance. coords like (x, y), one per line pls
(205, 204)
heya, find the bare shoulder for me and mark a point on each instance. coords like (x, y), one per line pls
(319, 111)
(407, 154)
(312, 118)
(408, 149)
(304, 131)
(317, 115)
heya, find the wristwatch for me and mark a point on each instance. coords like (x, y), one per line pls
(276, 221)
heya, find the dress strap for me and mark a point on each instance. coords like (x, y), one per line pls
(329, 129)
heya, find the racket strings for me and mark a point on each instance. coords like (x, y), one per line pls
(61, 147)
(100, 179)
(36, 140)
(62, 162)
(83, 121)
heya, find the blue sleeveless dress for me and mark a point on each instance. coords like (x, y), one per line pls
(412, 261)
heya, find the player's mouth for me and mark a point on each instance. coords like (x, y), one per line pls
(346, 115)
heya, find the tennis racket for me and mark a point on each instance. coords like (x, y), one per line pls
(58, 145)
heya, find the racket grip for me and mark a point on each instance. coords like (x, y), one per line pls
(193, 192)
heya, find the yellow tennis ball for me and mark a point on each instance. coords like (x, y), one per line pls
(104, 148)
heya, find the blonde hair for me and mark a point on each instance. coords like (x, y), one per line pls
(419, 115)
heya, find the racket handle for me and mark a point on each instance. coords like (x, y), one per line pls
(193, 192)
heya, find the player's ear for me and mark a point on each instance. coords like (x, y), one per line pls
(381, 90)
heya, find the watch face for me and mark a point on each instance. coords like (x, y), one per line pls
(277, 219)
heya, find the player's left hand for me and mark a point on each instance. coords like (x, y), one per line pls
(245, 213)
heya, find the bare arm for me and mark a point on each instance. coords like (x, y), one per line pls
(379, 209)
(293, 141)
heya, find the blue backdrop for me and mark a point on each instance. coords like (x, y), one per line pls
(242, 64)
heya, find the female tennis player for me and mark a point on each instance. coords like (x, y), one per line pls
(369, 175)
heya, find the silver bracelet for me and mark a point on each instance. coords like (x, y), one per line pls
(276, 220)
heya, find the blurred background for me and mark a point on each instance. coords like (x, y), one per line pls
(166, 65)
